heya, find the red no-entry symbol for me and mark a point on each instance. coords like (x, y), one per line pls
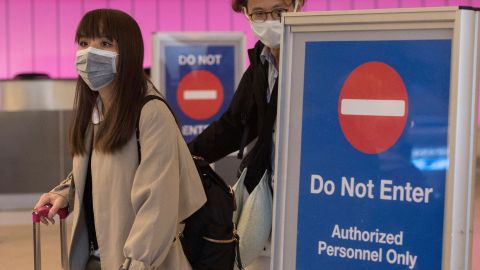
(200, 94)
(373, 107)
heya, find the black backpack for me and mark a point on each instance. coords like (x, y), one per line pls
(209, 239)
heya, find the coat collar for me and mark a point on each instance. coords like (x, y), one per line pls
(260, 75)
(254, 54)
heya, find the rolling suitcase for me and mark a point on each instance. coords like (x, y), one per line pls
(36, 215)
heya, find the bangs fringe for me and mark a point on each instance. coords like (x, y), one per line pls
(97, 24)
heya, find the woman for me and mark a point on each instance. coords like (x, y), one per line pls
(124, 212)
(251, 114)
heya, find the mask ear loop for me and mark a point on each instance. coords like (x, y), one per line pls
(114, 63)
(245, 12)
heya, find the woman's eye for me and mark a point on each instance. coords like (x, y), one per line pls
(106, 44)
(83, 43)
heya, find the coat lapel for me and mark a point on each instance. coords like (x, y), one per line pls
(260, 84)
(79, 169)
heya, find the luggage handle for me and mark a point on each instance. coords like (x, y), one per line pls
(37, 214)
(43, 212)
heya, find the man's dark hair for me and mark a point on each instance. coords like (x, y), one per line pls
(238, 5)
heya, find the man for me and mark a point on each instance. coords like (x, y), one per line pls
(251, 114)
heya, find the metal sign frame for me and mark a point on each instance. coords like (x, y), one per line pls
(461, 25)
(225, 71)
(161, 40)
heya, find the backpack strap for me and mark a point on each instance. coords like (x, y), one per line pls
(145, 100)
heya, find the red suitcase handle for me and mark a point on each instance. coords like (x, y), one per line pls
(36, 217)
(43, 212)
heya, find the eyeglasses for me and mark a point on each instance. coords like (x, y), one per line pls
(262, 15)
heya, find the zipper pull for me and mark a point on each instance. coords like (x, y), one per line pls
(92, 248)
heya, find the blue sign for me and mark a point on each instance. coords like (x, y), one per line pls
(360, 208)
(200, 82)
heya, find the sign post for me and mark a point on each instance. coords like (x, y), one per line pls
(376, 141)
(198, 73)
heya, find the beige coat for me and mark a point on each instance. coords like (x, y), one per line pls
(137, 208)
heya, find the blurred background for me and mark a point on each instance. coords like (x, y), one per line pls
(38, 35)
(37, 80)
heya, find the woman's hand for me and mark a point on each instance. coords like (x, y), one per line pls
(57, 201)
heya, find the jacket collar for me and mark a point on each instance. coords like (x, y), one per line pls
(255, 52)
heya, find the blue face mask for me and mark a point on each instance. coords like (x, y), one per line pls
(96, 67)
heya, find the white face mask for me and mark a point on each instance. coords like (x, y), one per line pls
(96, 67)
(268, 32)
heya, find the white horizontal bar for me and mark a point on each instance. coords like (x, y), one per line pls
(373, 107)
(199, 94)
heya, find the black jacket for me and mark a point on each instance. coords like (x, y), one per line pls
(245, 116)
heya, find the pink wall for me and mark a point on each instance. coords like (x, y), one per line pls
(38, 35)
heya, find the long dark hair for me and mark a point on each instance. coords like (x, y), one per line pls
(129, 87)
